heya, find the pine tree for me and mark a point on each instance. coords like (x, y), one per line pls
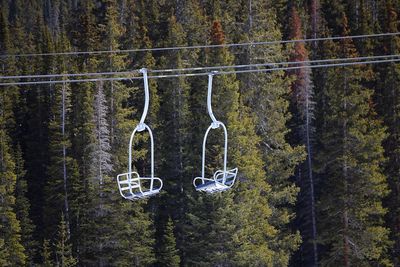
(3, 253)
(12, 251)
(168, 254)
(219, 236)
(46, 254)
(22, 208)
(98, 205)
(387, 94)
(62, 168)
(133, 245)
(303, 134)
(8, 67)
(82, 129)
(10, 231)
(34, 124)
(137, 36)
(353, 184)
(63, 247)
(264, 94)
(112, 32)
(315, 20)
(252, 223)
(81, 140)
(202, 230)
(100, 158)
(173, 134)
(87, 36)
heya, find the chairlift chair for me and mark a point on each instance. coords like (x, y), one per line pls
(224, 179)
(131, 185)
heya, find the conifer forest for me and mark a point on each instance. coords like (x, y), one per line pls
(317, 149)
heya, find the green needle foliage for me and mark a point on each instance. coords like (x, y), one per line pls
(168, 255)
(63, 247)
(46, 254)
(388, 96)
(350, 159)
(333, 129)
(11, 250)
(22, 207)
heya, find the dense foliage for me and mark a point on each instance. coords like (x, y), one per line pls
(318, 150)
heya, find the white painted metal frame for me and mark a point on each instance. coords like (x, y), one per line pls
(131, 185)
(222, 179)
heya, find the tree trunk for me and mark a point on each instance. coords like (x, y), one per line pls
(314, 21)
(346, 248)
(311, 181)
(112, 115)
(66, 205)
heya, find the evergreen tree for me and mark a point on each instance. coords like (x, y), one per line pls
(315, 20)
(34, 126)
(98, 206)
(264, 94)
(112, 33)
(3, 253)
(302, 106)
(134, 244)
(46, 254)
(82, 138)
(22, 208)
(168, 255)
(173, 133)
(63, 247)
(351, 155)
(82, 129)
(62, 168)
(388, 97)
(8, 67)
(53, 141)
(12, 251)
(203, 231)
(219, 236)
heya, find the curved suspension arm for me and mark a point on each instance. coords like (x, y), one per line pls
(215, 124)
(209, 96)
(141, 127)
(146, 98)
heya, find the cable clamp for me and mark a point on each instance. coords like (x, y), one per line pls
(141, 127)
(215, 124)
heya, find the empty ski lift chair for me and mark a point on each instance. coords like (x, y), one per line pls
(131, 185)
(222, 179)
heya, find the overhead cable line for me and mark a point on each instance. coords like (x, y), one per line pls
(271, 64)
(203, 73)
(157, 49)
(209, 68)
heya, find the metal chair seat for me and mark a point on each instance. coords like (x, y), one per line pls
(217, 184)
(139, 195)
(134, 187)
